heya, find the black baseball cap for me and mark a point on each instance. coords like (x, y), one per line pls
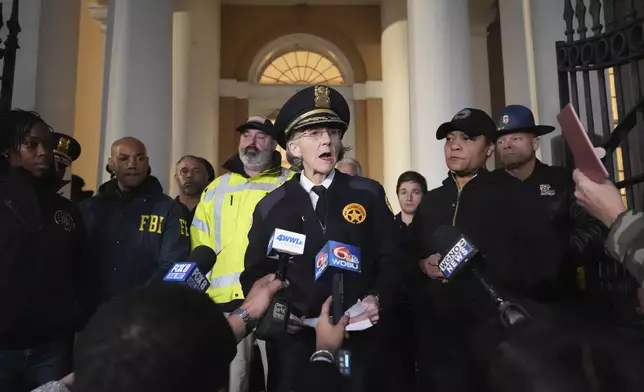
(260, 123)
(472, 122)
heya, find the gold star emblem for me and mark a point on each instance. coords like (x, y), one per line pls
(354, 213)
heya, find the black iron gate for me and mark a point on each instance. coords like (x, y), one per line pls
(606, 64)
(8, 55)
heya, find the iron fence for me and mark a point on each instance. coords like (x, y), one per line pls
(8, 55)
(605, 66)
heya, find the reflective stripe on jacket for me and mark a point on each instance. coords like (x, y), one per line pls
(222, 220)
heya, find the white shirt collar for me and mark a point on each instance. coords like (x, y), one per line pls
(308, 185)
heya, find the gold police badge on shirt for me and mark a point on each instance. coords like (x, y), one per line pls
(354, 213)
(65, 220)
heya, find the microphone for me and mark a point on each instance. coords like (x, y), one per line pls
(192, 272)
(340, 257)
(282, 246)
(456, 251)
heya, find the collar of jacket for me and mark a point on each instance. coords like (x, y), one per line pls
(480, 176)
(149, 186)
(235, 164)
(17, 177)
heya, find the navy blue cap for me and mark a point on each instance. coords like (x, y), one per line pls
(310, 107)
(472, 122)
(67, 149)
(518, 118)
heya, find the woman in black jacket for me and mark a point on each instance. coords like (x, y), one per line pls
(41, 235)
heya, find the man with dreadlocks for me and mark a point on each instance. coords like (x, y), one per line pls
(41, 234)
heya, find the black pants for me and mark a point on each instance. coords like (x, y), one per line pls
(288, 358)
(396, 352)
(454, 352)
(26, 369)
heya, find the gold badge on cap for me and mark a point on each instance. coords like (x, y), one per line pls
(354, 213)
(506, 119)
(322, 99)
(64, 145)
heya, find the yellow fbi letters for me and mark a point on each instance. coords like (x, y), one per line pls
(154, 224)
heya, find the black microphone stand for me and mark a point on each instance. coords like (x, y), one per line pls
(510, 313)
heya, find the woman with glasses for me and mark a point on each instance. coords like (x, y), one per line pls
(325, 205)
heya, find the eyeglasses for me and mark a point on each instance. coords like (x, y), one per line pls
(317, 133)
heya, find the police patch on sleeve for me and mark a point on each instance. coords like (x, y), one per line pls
(65, 220)
(389, 204)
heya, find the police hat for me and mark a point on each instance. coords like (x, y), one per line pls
(472, 122)
(66, 148)
(518, 118)
(312, 106)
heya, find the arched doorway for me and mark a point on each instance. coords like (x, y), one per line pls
(290, 63)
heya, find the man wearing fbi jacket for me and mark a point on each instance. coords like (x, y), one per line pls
(324, 205)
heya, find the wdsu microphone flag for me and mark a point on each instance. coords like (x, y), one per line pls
(337, 255)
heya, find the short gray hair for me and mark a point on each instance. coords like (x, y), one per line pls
(296, 163)
(353, 162)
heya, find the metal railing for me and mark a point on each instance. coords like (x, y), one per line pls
(606, 65)
(8, 55)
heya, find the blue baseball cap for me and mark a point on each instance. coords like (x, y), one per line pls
(518, 118)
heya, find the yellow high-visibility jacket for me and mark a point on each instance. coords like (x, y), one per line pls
(222, 220)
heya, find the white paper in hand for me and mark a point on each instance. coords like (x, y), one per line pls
(359, 319)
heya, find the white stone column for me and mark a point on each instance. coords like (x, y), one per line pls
(440, 77)
(518, 53)
(56, 78)
(395, 94)
(26, 71)
(180, 81)
(203, 97)
(138, 81)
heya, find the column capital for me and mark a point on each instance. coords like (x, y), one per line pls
(99, 12)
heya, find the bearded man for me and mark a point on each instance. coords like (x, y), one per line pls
(224, 216)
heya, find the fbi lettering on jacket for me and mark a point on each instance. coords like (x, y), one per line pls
(151, 223)
(154, 224)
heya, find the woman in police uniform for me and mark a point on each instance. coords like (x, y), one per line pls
(323, 204)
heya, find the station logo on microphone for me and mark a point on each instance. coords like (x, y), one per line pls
(459, 254)
(178, 272)
(321, 263)
(345, 256)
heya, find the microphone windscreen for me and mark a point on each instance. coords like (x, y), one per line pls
(444, 237)
(204, 256)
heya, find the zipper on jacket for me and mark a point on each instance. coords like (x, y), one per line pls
(458, 200)
(458, 196)
(11, 207)
(231, 200)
